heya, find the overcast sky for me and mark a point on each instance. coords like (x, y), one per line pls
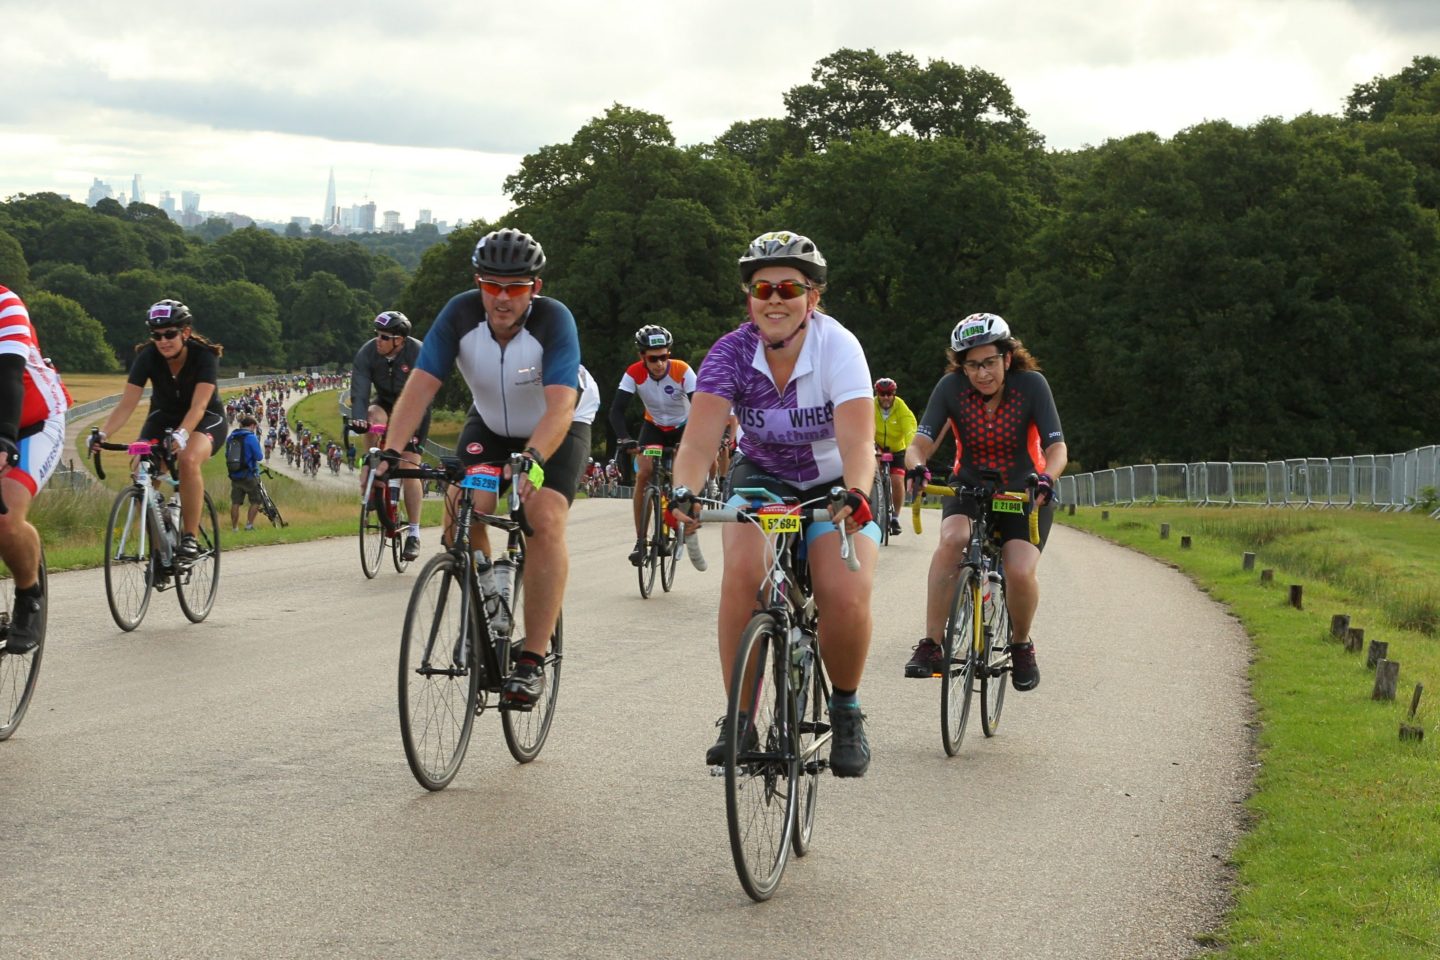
(432, 103)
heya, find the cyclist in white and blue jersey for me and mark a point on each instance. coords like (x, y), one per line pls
(519, 353)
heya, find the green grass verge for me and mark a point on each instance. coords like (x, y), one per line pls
(1344, 856)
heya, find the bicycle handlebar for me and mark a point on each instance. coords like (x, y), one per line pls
(161, 449)
(451, 472)
(1026, 497)
(735, 515)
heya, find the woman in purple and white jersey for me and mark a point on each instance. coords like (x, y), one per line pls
(800, 386)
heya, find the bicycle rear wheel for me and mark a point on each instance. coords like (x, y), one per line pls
(19, 672)
(526, 730)
(761, 765)
(372, 535)
(129, 560)
(272, 512)
(196, 587)
(996, 660)
(397, 547)
(958, 683)
(649, 518)
(439, 683)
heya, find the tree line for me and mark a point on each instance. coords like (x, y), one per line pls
(1229, 293)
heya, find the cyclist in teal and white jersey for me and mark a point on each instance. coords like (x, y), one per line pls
(799, 383)
(519, 353)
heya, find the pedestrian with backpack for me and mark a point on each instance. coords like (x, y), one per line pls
(242, 459)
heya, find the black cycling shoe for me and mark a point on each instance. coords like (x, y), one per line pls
(1024, 672)
(715, 756)
(189, 548)
(24, 621)
(637, 556)
(849, 750)
(523, 687)
(894, 526)
(928, 660)
(411, 549)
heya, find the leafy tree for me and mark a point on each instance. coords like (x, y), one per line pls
(269, 260)
(214, 228)
(389, 283)
(72, 338)
(1415, 89)
(14, 271)
(246, 318)
(99, 243)
(346, 260)
(293, 231)
(326, 323)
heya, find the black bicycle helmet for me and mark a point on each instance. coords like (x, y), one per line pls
(977, 330)
(652, 336)
(508, 253)
(168, 313)
(782, 248)
(393, 321)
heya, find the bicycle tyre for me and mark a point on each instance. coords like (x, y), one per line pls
(437, 710)
(272, 512)
(958, 683)
(526, 730)
(650, 506)
(996, 661)
(761, 785)
(666, 544)
(20, 672)
(129, 576)
(397, 547)
(880, 504)
(811, 729)
(196, 589)
(372, 535)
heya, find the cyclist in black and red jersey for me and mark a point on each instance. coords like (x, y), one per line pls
(33, 402)
(995, 399)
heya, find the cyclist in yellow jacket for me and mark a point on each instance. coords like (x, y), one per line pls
(894, 429)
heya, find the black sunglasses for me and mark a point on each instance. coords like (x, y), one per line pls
(170, 334)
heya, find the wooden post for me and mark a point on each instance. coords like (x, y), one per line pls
(1297, 596)
(1415, 700)
(1411, 732)
(1184, 543)
(1267, 576)
(1387, 676)
(1377, 652)
(1104, 514)
(1247, 561)
(1339, 623)
(1354, 639)
(1164, 531)
(1072, 509)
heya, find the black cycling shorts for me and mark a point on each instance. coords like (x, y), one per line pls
(211, 424)
(478, 444)
(1004, 527)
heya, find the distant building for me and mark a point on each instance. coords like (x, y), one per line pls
(190, 209)
(332, 211)
(167, 203)
(99, 190)
(392, 222)
(365, 217)
(424, 218)
(137, 192)
(302, 222)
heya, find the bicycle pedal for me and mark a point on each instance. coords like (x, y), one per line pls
(517, 706)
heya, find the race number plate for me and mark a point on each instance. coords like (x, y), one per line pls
(778, 519)
(482, 476)
(1007, 505)
(654, 450)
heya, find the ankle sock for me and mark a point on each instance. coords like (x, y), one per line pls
(843, 698)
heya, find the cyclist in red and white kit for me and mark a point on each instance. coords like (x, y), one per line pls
(33, 402)
(664, 386)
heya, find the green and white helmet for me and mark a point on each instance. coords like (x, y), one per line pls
(977, 330)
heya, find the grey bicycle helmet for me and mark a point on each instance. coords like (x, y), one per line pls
(782, 248)
(508, 253)
(168, 313)
(977, 330)
(652, 336)
(393, 321)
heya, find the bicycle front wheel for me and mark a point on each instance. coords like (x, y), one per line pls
(19, 672)
(880, 504)
(196, 587)
(813, 731)
(272, 512)
(960, 661)
(761, 764)
(129, 560)
(650, 520)
(439, 683)
(666, 545)
(995, 661)
(526, 730)
(372, 535)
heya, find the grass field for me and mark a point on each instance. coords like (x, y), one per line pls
(85, 387)
(1344, 856)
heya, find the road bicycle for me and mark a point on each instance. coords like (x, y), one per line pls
(881, 505)
(453, 661)
(379, 509)
(779, 698)
(142, 539)
(267, 503)
(977, 629)
(19, 672)
(661, 543)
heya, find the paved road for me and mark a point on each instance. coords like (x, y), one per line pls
(238, 788)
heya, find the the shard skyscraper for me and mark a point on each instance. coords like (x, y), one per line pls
(329, 217)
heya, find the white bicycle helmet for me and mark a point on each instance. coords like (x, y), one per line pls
(977, 330)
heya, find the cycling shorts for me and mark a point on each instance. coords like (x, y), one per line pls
(651, 434)
(748, 474)
(1004, 527)
(40, 445)
(478, 444)
(211, 424)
